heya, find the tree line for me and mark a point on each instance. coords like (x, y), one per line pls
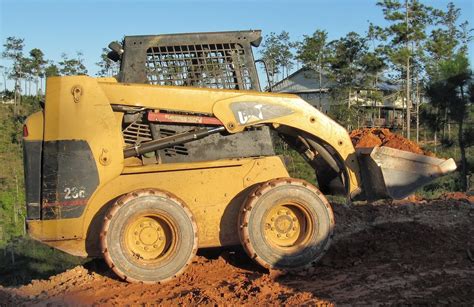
(31, 68)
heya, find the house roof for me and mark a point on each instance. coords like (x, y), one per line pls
(303, 80)
(306, 80)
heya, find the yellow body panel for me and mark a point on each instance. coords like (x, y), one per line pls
(35, 124)
(213, 191)
(84, 115)
(79, 108)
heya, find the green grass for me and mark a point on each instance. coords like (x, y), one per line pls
(451, 182)
(24, 259)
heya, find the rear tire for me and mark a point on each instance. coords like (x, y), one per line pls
(286, 224)
(148, 236)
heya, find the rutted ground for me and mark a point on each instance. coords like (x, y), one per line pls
(405, 252)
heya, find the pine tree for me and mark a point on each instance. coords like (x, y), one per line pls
(407, 31)
(37, 66)
(313, 52)
(14, 52)
(72, 66)
(277, 55)
(346, 69)
(450, 91)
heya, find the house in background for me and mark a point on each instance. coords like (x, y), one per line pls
(384, 111)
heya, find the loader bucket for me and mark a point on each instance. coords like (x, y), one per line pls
(391, 173)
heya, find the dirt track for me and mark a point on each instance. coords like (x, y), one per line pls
(420, 252)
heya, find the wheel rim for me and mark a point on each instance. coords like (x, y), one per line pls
(288, 226)
(150, 238)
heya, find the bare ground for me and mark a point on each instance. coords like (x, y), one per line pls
(384, 253)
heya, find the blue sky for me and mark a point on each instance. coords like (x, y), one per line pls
(69, 25)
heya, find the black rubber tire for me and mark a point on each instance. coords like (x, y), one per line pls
(257, 207)
(129, 207)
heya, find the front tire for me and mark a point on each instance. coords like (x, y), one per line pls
(286, 224)
(148, 236)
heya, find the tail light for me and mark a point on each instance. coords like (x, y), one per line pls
(25, 131)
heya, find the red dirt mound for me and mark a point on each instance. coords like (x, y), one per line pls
(373, 137)
(458, 196)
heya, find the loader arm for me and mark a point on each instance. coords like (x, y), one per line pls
(238, 110)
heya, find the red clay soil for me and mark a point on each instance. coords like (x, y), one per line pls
(373, 137)
(459, 196)
(384, 253)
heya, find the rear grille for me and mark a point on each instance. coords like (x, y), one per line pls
(175, 150)
(220, 66)
(136, 133)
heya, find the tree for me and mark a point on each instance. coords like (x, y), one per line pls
(313, 52)
(51, 70)
(346, 69)
(14, 52)
(107, 67)
(72, 66)
(27, 74)
(37, 66)
(286, 56)
(443, 41)
(407, 30)
(442, 45)
(375, 61)
(277, 55)
(451, 90)
(4, 71)
(345, 61)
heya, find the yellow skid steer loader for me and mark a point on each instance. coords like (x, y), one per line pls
(176, 153)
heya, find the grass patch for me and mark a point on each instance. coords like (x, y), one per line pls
(24, 259)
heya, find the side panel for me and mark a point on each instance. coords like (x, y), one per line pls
(214, 193)
(70, 177)
(32, 157)
(32, 152)
(252, 143)
(82, 146)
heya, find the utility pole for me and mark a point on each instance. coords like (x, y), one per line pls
(408, 71)
(418, 101)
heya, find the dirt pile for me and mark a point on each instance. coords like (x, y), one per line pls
(373, 137)
(458, 196)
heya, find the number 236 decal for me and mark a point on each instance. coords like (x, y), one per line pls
(74, 193)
